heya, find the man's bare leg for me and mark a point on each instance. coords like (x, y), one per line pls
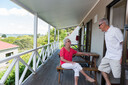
(76, 80)
(105, 75)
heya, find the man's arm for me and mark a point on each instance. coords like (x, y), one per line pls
(122, 55)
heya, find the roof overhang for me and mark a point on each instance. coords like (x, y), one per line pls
(59, 13)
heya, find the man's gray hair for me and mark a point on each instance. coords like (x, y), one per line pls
(104, 20)
(65, 40)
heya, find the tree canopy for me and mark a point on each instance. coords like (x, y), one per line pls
(26, 41)
(4, 35)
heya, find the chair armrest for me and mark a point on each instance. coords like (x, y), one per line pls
(92, 61)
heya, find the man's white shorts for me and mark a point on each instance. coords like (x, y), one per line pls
(107, 65)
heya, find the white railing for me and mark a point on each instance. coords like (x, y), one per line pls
(43, 56)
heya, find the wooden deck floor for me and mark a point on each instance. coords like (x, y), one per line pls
(47, 75)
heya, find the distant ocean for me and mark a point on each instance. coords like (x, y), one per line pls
(16, 35)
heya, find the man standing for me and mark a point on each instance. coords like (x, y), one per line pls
(112, 58)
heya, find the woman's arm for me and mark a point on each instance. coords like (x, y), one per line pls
(66, 61)
(82, 53)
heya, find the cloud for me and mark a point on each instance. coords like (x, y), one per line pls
(42, 29)
(12, 23)
(13, 11)
(25, 28)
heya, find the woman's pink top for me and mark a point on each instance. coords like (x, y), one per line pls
(67, 54)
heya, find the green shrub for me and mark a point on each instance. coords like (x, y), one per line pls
(11, 78)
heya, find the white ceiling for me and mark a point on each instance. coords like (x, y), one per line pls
(59, 13)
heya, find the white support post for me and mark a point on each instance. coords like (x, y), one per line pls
(48, 40)
(55, 35)
(82, 39)
(17, 72)
(54, 45)
(58, 38)
(35, 40)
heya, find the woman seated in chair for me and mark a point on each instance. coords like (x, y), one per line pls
(66, 62)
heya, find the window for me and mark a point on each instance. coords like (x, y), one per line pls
(9, 54)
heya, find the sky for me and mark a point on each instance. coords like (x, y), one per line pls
(16, 20)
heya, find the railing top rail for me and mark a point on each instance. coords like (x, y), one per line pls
(22, 53)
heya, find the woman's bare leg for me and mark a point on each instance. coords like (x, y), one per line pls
(87, 77)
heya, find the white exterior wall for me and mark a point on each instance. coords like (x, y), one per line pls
(82, 38)
(4, 52)
(97, 42)
(73, 35)
(97, 37)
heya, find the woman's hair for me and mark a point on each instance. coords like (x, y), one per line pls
(65, 40)
(104, 20)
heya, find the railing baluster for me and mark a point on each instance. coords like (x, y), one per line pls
(46, 52)
(52, 47)
(39, 59)
(26, 68)
(17, 72)
(43, 54)
(3, 79)
(34, 61)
